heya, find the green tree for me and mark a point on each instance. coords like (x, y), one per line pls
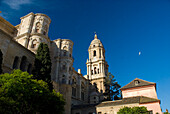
(42, 65)
(166, 112)
(19, 93)
(125, 110)
(133, 110)
(112, 88)
(1, 58)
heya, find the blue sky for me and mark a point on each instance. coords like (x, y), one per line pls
(125, 27)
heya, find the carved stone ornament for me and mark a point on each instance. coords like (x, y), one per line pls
(40, 19)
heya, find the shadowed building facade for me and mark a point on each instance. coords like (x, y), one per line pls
(19, 45)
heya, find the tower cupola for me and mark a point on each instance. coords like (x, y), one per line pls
(96, 49)
(33, 30)
(97, 67)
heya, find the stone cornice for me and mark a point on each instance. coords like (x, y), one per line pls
(97, 78)
(37, 14)
(11, 39)
(79, 74)
(40, 14)
(39, 34)
(64, 57)
(7, 23)
(31, 34)
(27, 15)
(102, 61)
(7, 27)
(17, 26)
(63, 40)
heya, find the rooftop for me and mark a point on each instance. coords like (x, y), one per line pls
(137, 83)
(130, 100)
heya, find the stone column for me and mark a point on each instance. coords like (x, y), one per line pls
(90, 75)
(89, 55)
(103, 68)
(99, 67)
(87, 69)
(101, 53)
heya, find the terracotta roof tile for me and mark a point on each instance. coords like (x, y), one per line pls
(137, 83)
(130, 100)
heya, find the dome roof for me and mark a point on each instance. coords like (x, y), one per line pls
(96, 42)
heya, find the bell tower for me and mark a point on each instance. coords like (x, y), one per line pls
(97, 67)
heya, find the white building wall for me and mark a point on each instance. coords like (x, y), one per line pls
(148, 91)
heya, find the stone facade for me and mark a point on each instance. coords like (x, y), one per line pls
(14, 54)
(136, 93)
(97, 67)
(19, 45)
(113, 109)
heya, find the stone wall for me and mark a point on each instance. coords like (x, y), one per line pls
(155, 107)
(65, 89)
(85, 110)
(148, 91)
(113, 109)
(11, 49)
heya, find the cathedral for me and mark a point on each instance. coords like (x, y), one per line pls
(19, 45)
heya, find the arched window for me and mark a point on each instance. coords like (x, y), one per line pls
(15, 63)
(99, 53)
(94, 53)
(82, 91)
(91, 72)
(69, 81)
(33, 45)
(64, 67)
(74, 81)
(29, 68)
(37, 28)
(23, 63)
(64, 53)
(74, 87)
(65, 48)
(70, 69)
(63, 79)
(45, 30)
(95, 72)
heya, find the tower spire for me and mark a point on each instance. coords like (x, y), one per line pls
(95, 36)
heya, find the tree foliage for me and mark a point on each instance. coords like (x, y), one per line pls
(19, 93)
(166, 113)
(42, 65)
(133, 110)
(112, 88)
(1, 58)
